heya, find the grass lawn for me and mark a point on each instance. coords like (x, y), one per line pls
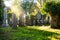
(29, 33)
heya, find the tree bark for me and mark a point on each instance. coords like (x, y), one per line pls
(58, 21)
(55, 22)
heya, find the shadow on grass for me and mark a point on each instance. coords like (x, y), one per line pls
(24, 33)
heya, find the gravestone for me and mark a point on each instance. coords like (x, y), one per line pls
(14, 20)
(39, 19)
(5, 20)
(21, 20)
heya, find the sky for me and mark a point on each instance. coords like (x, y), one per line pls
(8, 3)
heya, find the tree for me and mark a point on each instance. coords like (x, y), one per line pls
(1, 11)
(53, 8)
(27, 6)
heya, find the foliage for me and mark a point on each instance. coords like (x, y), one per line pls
(1, 13)
(27, 6)
(51, 7)
(9, 13)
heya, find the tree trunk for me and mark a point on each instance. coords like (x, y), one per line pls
(55, 22)
(58, 21)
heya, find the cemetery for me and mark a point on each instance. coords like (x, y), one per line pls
(29, 20)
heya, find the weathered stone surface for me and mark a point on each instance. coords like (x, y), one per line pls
(14, 21)
(5, 20)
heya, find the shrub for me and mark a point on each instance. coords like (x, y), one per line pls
(51, 7)
(1, 14)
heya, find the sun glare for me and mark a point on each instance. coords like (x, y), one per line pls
(14, 8)
(8, 3)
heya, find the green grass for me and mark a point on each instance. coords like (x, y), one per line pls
(25, 33)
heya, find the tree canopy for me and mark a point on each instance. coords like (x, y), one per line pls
(52, 7)
(1, 10)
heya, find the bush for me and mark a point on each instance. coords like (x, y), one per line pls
(1, 14)
(51, 7)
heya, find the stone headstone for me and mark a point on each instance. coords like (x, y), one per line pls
(14, 20)
(5, 20)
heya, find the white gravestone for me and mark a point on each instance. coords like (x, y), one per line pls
(5, 20)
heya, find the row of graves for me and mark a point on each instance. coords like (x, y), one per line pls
(24, 20)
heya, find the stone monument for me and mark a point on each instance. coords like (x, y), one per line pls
(5, 20)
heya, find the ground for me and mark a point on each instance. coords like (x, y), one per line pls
(30, 33)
